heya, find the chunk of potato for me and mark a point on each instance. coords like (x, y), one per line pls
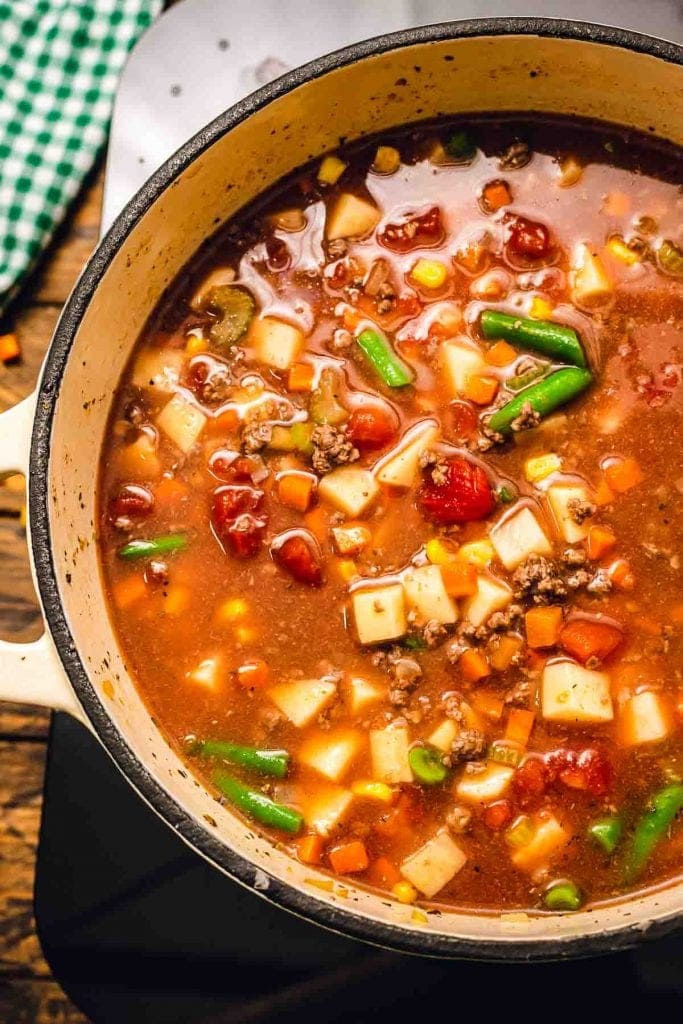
(351, 217)
(427, 596)
(559, 498)
(331, 753)
(592, 287)
(182, 421)
(139, 460)
(548, 838)
(444, 735)
(645, 718)
(492, 596)
(485, 786)
(276, 342)
(159, 368)
(303, 699)
(379, 613)
(460, 362)
(361, 694)
(325, 807)
(517, 537)
(573, 694)
(433, 866)
(389, 753)
(350, 540)
(206, 673)
(350, 489)
(400, 467)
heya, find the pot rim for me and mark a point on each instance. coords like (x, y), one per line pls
(232, 863)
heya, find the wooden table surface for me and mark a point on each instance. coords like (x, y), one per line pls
(28, 993)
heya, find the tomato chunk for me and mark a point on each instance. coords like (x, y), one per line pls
(234, 523)
(528, 239)
(460, 494)
(414, 232)
(299, 558)
(372, 426)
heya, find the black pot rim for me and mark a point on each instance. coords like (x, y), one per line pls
(236, 866)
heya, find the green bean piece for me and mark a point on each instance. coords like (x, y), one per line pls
(237, 308)
(460, 146)
(257, 805)
(544, 397)
(383, 359)
(266, 762)
(670, 258)
(607, 832)
(151, 548)
(663, 808)
(523, 380)
(427, 766)
(325, 406)
(562, 896)
(541, 335)
(296, 438)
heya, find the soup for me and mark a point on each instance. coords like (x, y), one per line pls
(390, 514)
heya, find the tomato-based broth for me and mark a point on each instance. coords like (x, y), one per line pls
(390, 514)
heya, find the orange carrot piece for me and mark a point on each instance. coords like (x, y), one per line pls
(496, 194)
(317, 522)
(9, 348)
(309, 849)
(503, 650)
(169, 492)
(623, 475)
(600, 541)
(383, 873)
(349, 858)
(473, 665)
(481, 389)
(603, 494)
(225, 423)
(301, 377)
(543, 625)
(500, 354)
(459, 578)
(128, 590)
(473, 258)
(621, 575)
(488, 703)
(586, 638)
(254, 674)
(519, 725)
(295, 490)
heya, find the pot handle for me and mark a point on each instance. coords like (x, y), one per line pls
(29, 673)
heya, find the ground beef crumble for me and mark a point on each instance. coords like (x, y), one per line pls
(527, 419)
(256, 436)
(580, 510)
(331, 447)
(404, 672)
(537, 579)
(470, 745)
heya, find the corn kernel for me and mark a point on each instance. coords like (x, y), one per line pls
(542, 466)
(374, 791)
(245, 634)
(347, 569)
(194, 345)
(429, 273)
(405, 892)
(477, 552)
(387, 160)
(438, 553)
(540, 309)
(233, 609)
(621, 251)
(331, 170)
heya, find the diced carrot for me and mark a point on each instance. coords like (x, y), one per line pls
(586, 638)
(129, 590)
(301, 376)
(349, 858)
(535, 659)
(600, 541)
(9, 348)
(295, 490)
(603, 494)
(543, 625)
(621, 575)
(383, 873)
(317, 522)
(500, 354)
(225, 423)
(481, 389)
(309, 849)
(169, 492)
(623, 475)
(254, 674)
(496, 194)
(459, 578)
(489, 704)
(503, 650)
(519, 725)
(472, 258)
(473, 665)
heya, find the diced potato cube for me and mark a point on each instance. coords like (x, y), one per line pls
(427, 596)
(331, 170)
(303, 699)
(158, 368)
(548, 838)
(350, 489)
(182, 421)
(559, 498)
(379, 613)
(139, 460)
(460, 362)
(351, 217)
(483, 787)
(325, 807)
(350, 540)
(206, 673)
(434, 864)
(389, 752)
(331, 753)
(517, 537)
(492, 596)
(591, 285)
(644, 718)
(276, 342)
(571, 693)
(401, 467)
(387, 160)
(361, 694)
(444, 735)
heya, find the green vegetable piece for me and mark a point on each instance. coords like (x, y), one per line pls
(414, 643)
(544, 397)
(266, 762)
(325, 406)
(606, 833)
(383, 359)
(506, 494)
(257, 805)
(541, 335)
(460, 146)
(150, 548)
(504, 753)
(563, 896)
(523, 380)
(664, 806)
(427, 766)
(670, 258)
(296, 438)
(236, 307)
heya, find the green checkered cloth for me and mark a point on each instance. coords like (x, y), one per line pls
(59, 65)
